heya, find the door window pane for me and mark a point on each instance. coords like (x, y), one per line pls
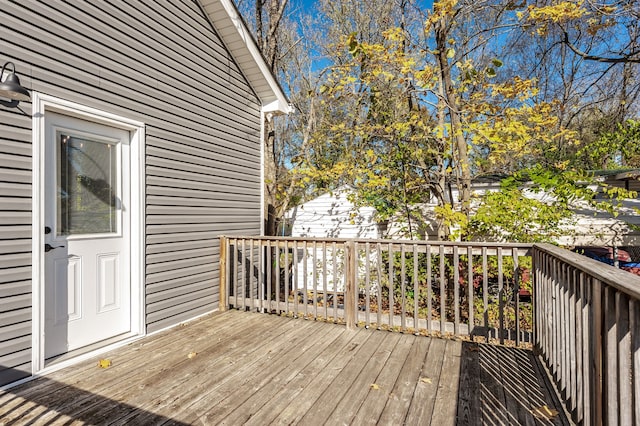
(87, 186)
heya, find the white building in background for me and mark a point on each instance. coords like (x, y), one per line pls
(332, 215)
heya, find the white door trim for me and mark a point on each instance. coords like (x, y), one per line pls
(41, 105)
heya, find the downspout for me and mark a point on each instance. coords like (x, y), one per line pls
(262, 163)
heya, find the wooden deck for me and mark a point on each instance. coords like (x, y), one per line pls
(246, 368)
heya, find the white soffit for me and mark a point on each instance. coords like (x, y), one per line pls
(225, 18)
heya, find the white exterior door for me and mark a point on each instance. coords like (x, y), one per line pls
(87, 286)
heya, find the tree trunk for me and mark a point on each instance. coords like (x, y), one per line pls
(268, 41)
(460, 151)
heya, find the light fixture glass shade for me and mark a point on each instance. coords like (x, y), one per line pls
(10, 88)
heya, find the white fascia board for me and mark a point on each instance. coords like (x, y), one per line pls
(277, 106)
(226, 19)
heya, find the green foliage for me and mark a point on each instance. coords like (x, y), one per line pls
(508, 215)
(613, 149)
(511, 215)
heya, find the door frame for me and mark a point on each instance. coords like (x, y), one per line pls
(43, 104)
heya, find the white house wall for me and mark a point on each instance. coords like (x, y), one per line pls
(332, 216)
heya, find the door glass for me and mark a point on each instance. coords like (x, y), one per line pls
(87, 186)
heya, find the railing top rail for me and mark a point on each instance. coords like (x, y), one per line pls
(382, 241)
(621, 280)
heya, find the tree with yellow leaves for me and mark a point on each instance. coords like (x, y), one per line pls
(407, 121)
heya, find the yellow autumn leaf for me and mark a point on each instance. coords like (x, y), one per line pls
(375, 386)
(426, 380)
(192, 355)
(544, 412)
(104, 363)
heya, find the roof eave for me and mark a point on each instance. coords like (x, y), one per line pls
(227, 21)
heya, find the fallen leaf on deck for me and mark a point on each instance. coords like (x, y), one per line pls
(192, 355)
(544, 412)
(375, 386)
(425, 380)
(104, 363)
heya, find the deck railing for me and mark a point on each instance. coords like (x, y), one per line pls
(587, 327)
(585, 315)
(479, 290)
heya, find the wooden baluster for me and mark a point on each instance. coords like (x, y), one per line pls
(324, 281)
(501, 298)
(416, 291)
(485, 293)
(391, 285)
(285, 285)
(456, 292)
(335, 257)
(516, 289)
(243, 283)
(572, 339)
(294, 285)
(610, 353)
(584, 402)
(470, 290)
(443, 292)
(624, 374)
(379, 295)
(252, 295)
(278, 283)
(269, 276)
(429, 289)
(634, 324)
(351, 287)
(403, 289)
(305, 281)
(315, 279)
(367, 284)
(223, 303)
(235, 272)
(597, 396)
(261, 275)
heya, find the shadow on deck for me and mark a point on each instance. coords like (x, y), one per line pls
(245, 368)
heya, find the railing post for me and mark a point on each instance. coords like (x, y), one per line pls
(351, 287)
(223, 302)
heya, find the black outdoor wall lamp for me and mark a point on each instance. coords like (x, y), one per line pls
(11, 89)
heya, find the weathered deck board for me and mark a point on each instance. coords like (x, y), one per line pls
(264, 369)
